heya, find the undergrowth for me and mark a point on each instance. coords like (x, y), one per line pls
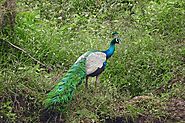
(139, 80)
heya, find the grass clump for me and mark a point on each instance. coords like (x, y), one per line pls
(141, 81)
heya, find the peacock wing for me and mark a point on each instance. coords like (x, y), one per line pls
(94, 61)
(83, 56)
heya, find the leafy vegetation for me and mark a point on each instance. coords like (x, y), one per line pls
(142, 81)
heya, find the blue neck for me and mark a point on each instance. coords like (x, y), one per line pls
(110, 51)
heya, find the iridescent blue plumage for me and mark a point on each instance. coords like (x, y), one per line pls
(110, 51)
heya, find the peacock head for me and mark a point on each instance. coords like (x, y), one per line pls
(116, 39)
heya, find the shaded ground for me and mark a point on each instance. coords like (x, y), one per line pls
(176, 109)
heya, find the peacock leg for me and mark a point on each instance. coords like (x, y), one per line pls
(86, 83)
(97, 80)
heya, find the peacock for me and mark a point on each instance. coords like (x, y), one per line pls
(90, 64)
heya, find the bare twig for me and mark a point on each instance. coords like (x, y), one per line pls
(22, 50)
(171, 82)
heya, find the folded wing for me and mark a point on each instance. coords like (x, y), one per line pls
(94, 61)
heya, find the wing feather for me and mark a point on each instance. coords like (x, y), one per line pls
(94, 61)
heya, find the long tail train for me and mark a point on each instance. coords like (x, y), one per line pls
(63, 91)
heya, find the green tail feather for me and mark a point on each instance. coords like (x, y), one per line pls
(63, 91)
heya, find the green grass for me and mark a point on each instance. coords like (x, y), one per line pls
(151, 54)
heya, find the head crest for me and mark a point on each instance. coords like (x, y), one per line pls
(115, 33)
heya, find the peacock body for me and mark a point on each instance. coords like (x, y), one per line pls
(90, 64)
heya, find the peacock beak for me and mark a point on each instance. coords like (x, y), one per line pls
(119, 41)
